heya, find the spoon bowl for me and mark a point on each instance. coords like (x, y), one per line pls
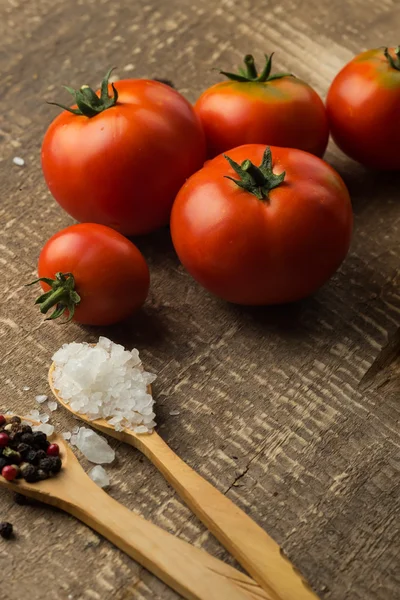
(252, 547)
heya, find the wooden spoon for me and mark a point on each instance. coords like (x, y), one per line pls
(252, 547)
(192, 572)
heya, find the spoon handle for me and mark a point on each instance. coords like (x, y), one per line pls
(252, 547)
(190, 571)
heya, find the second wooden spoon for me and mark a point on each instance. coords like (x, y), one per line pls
(252, 547)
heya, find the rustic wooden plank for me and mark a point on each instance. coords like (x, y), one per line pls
(292, 412)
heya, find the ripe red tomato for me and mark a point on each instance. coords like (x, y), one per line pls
(262, 235)
(279, 110)
(92, 273)
(363, 105)
(122, 162)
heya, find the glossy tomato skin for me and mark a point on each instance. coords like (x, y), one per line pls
(363, 105)
(258, 252)
(124, 166)
(282, 112)
(111, 275)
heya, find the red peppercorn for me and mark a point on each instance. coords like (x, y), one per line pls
(53, 450)
(2, 420)
(4, 439)
(9, 472)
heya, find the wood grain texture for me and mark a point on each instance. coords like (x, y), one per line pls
(283, 409)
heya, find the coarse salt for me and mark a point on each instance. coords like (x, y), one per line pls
(105, 381)
(17, 160)
(41, 398)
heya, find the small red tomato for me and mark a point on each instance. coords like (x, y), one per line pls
(253, 108)
(9, 472)
(265, 234)
(53, 450)
(93, 274)
(120, 156)
(2, 420)
(4, 439)
(363, 108)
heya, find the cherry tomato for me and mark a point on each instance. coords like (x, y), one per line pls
(93, 274)
(252, 108)
(363, 105)
(119, 158)
(264, 234)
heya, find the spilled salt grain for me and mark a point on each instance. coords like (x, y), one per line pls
(75, 429)
(52, 406)
(46, 428)
(99, 476)
(17, 160)
(66, 435)
(34, 414)
(44, 418)
(73, 439)
(174, 413)
(105, 381)
(94, 447)
(26, 388)
(41, 398)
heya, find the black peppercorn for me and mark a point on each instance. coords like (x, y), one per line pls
(40, 439)
(23, 449)
(40, 454)
(15, 420)
(43, 474)
(27, 438)
(46, 464)
(30, 456)
(56, 464)
(26, 429)
(30, 473)
(6, 530)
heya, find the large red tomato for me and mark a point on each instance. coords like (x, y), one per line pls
(363, 108)
(120, 159)
(262, 235)
(93, 274)
(252, 108)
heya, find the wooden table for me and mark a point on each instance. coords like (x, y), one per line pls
(292, 412)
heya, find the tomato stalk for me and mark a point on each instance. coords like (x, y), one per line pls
(394, 62)
(256, 180)
(88, 102)
(250, 73)
(62, 296)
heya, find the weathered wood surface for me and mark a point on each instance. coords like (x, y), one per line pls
(292, 412)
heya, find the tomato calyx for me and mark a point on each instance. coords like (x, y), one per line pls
(256, 180)
(250, 73)
(88, 102)
(62, 296)
(394, 62)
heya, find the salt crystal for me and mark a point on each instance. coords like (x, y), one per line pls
(44, 418)
(18, 161)
(174, 413)
(26, 388)
(141, 429)
(34, 414)
(52, 406)
(41, 398)
(94, 447)
(45, 428)
(66, 435)
(75, 429)
(99, 476)
(73, 440)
